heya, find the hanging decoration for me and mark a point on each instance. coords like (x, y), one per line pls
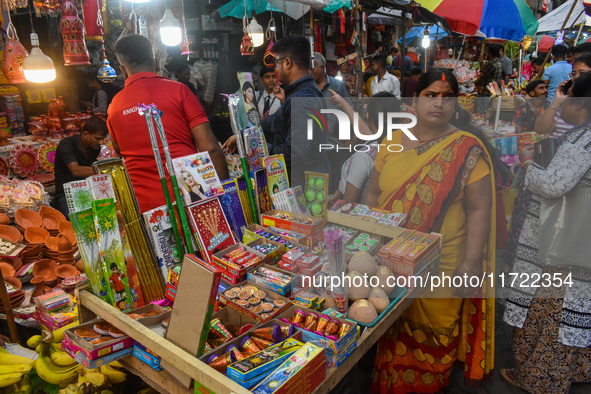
(72, 30)
(186, 43)
(269, 56)
(14, 55)
(45, 7)
(246, 48)
(93, 20)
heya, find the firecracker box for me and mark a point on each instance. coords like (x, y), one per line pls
(161, 236)
(394, 243)
(363, 241)
(89, 351)
(170, 292)
(290, 239)
(87, 363)
(310, 226)
(225, 300)
(143, 353)
(264, 361)
(273, 256)
(234, 269)
(302, 372)
(284, 290)
(59, 318)
(334, 348)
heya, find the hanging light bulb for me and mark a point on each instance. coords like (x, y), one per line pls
(426, 40)
(170, 29)
(339, 76)
(255, 30)
(38, 67)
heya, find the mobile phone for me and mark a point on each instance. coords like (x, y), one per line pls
(567, 86)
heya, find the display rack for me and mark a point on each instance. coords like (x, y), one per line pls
(90, 306)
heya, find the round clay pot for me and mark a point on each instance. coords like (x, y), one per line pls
(64, 244)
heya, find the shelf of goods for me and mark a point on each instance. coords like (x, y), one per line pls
(209, 378)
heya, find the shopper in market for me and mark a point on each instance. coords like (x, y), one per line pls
(100, 98)
(525, 116)
(410, 85)
(325, 82)
(74, 157)
(183, 75)
(507, 64)
(185, 122)
(383, 81)
(552, 323)
(550, 121)
(286, 135)
(557, 73)
(444, 182)
(491, 72)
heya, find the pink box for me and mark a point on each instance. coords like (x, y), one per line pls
(93, 352)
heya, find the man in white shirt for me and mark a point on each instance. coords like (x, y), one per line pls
(267, 103)
(383, 81)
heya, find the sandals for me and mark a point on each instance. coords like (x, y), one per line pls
(506, 374)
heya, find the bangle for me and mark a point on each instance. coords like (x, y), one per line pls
(526, 162)
(554, 108)
(468, 268)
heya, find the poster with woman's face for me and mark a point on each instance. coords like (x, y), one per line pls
(196, 177)
(248, 93)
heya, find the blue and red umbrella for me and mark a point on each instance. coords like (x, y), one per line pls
(504, 19)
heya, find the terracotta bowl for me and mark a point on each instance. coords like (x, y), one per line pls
(66, 261)
(10, 233)
(37, 279)
(33, 250)
(36, 235)
(16, 263)
(70, 235)
(79, 265)
(66, 271)
(27, 218)
(52, 255)
(7, 270)
(4, 219)
(15, 282)
(51, 243)
(64, 244)
(46, 268)
(51, 217)
(65, 226)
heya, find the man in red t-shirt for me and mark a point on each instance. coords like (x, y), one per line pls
(185, 123)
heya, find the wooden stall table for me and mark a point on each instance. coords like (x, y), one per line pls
(208, 378)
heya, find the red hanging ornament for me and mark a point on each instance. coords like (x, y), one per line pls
(246, 48)
(14, 55)
(92, 12)
(72, 30)
(342, 20)
(269, 57)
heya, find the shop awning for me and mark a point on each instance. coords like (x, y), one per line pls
(293, 8)
(553, 20)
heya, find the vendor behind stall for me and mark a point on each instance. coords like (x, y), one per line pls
(74, 157)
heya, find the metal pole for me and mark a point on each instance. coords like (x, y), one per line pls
(403, 49)
(358, 61)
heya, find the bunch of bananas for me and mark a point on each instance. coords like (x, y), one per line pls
(14, 372)
(57, 367)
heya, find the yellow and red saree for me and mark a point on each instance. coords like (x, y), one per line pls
(427, 183)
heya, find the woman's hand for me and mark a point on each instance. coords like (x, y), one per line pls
(466, 271)
(560, 93)
(526, 153)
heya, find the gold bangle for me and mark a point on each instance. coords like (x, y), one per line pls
(468, 268)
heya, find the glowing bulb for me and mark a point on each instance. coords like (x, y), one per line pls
(38, 67)
(170, 29)
(339, 76)
(255, 30)
(426, 41)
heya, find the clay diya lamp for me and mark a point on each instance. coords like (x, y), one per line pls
(64, 244)
(70, 235)
(14, 281)
(66, 271)
(38, 282)
(51, 244)
(46, 268)
(51, 218)
(32, 251)
(27, 218)
(36, 235)
(10, 233)
(4, 219)
(65, 226)
(16, 263)
(7, 270)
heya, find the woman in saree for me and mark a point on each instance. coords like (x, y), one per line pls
(552, 319)
(444, 182)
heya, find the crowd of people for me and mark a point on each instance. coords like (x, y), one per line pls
(444, 180)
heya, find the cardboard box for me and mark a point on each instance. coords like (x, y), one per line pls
(264, 282)
(310, 226)
(422, 248)
(274, 255)
(224, 300)
(92, 364)
(300, 373)
(142, 352)
(339, 347)
(193, 308)
(91, 351)
(394, 243)
(257, 365)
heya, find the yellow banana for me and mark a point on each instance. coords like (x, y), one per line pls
(96, 378)
(56, 346)
(61, 358)
(116, 364)
(57, 335)
(113, 376)
(34, 341)
(10, 359)
(10, 379)
(25, 386)
(52, 373)
(18, 368)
